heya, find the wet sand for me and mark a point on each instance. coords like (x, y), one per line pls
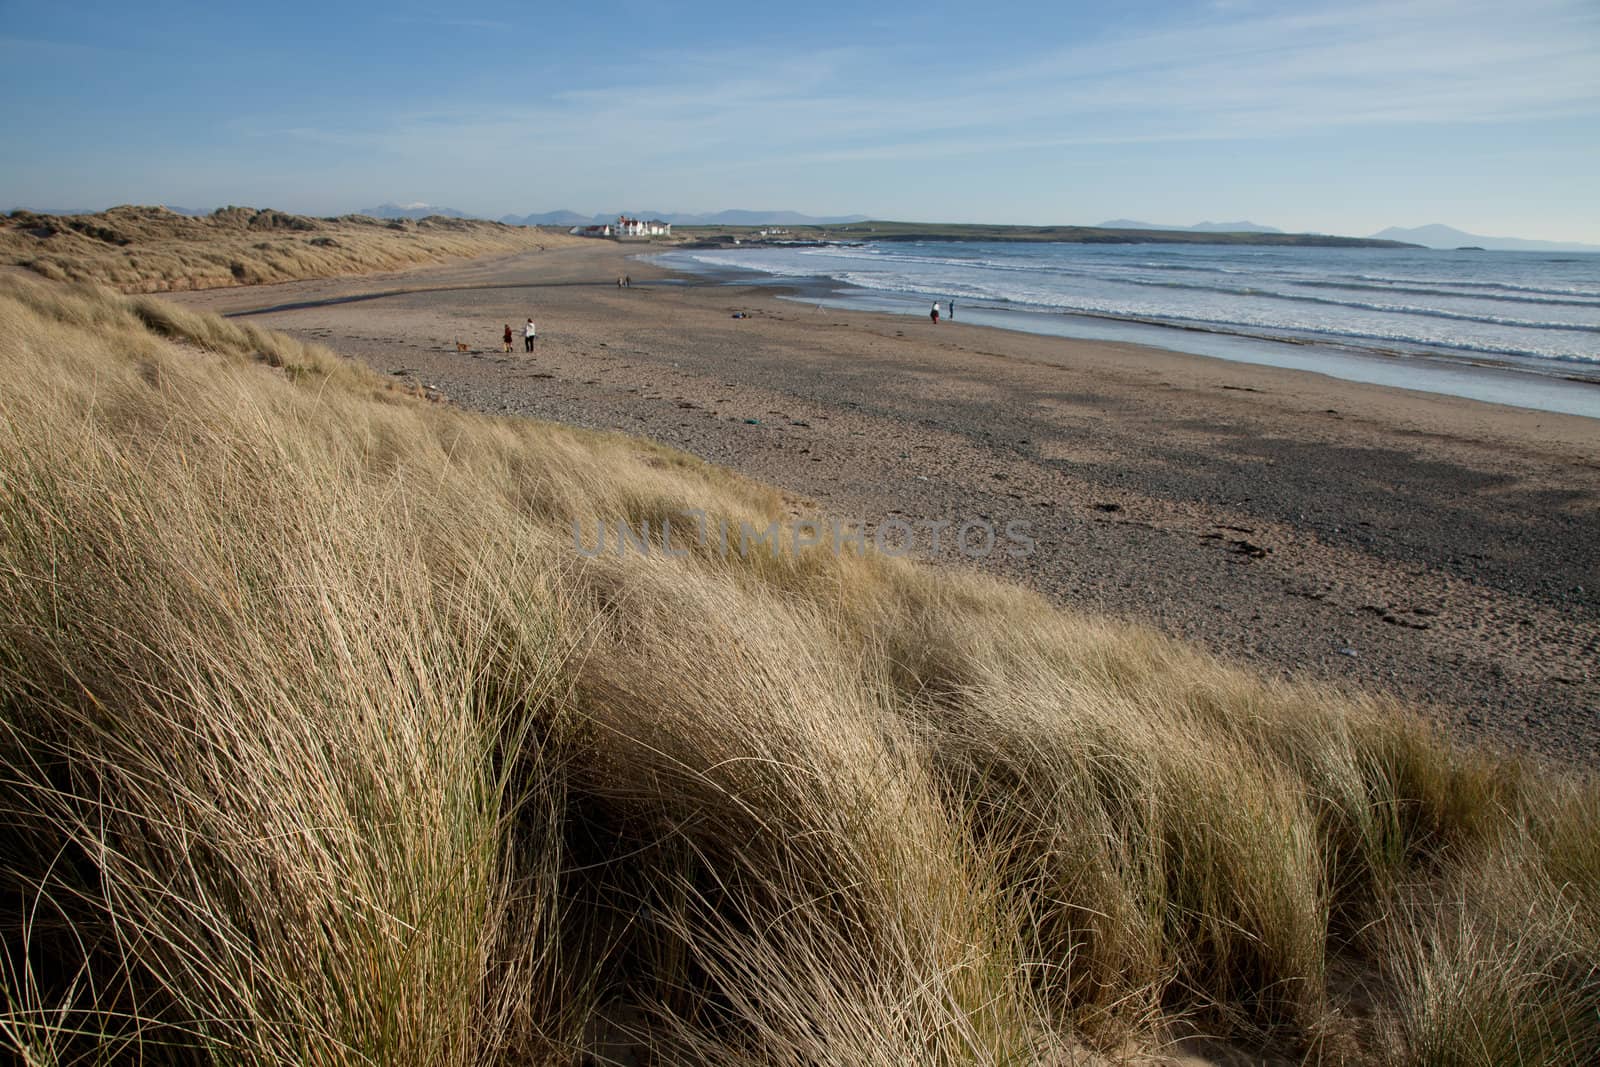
(1442, 549)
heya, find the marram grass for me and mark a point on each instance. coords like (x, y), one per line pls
(152, 249)
(319, 743)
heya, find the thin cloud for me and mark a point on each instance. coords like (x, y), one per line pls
(1232, 72)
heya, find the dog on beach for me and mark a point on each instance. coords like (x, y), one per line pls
(461, 347)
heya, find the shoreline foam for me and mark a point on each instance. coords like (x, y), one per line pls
(1563, 386)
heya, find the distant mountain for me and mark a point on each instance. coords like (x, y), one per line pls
(567, 217)
(763, 218)
(683, 218)
(1438, 235)
(412, 211)
(1233, 227)
(1199, 227)
(548, 218)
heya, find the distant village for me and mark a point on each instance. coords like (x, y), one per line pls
(625, 227)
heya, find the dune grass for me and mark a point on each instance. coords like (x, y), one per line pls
(319, 742)
(151, 249)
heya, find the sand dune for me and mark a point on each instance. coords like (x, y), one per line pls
(151, 249)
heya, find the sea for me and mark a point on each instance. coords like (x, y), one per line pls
(1509, 327)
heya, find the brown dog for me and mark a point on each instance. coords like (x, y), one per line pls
(461, 347)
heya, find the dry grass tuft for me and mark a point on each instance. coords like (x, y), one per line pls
(320, 742)
(153, 250)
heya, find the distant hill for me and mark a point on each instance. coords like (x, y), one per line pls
(683, 218)
(1199, 227)
(1233, 227)
(412, 211)
(885, 230)
(762, 218)
(1439, 235)
(548, 218)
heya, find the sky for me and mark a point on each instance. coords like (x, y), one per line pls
(1342, 117)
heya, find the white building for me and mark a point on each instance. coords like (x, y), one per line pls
(629, 227)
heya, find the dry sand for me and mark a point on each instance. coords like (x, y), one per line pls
(1443, 549)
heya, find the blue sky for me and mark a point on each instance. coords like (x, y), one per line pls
(1339, 117)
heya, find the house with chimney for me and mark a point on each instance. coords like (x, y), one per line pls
(625, 226)
(631, 227)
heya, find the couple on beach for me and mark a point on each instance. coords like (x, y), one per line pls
(529, 332)
(934, 314)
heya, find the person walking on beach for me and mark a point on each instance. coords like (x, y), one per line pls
(952, 309)
(507, 339)
(934, 314)
(528, 334)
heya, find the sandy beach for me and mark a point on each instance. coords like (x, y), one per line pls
(1441, 549)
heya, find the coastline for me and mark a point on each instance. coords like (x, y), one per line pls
(1498, 379)
(1439, 548)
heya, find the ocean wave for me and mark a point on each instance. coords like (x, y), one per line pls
(1294, 297)
(1467, 283)
(1393, 309)
(1284, 272)
(1130, 274)
(1508, 297)
(740, 263)
(1302, 334)
(905, 284)
(1222, 323)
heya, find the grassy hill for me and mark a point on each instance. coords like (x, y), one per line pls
(319, 742)
(152, 249)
